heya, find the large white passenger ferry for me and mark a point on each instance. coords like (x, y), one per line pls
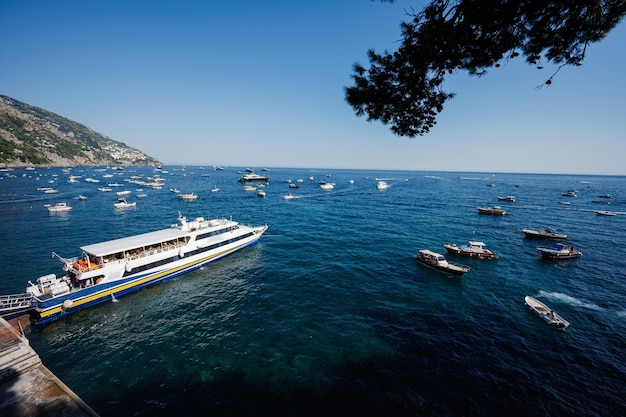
(117, 267)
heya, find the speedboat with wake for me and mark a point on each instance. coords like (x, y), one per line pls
(546, 313)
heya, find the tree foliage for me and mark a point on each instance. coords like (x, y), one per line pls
(404, 88)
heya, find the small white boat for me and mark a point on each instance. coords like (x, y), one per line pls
(249, 188)
(59, 208)
(382, 185)
(496, 210)
(51, 191)
(327, 186)
(605, 213)
(438, 261)
(252, 177)
(549, 233)
(105, 189)
(261, 193)
(215, 189)
(82, 198)
(570, 193)
(288, 196)
(510, 198)
(189, 196)
(474, 250)
(122, 203)
(174, 190)
(546, 313)
(123, 193)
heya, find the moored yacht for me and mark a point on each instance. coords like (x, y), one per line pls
(473, 249)
(559, 251)
(117, 267)
(438, 261)
(548, 233)
(252, 177)
(382, 185)
(496, 210)
(59, 208)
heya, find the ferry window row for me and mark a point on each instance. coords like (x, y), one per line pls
(151, 265)
(217, 245)
(216, 232)
(144, 251)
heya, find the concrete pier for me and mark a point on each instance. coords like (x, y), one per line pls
(27, 387)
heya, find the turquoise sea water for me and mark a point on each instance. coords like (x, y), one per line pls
(329, 314)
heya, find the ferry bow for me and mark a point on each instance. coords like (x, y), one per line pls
(117, 267)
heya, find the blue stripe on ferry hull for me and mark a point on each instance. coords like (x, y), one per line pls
(109, 291)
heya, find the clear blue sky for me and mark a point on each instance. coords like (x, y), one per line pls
(260, 83)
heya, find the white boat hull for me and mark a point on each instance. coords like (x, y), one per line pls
(546, 313)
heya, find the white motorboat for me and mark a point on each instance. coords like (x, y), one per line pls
(59, 208)
(260, 193)
(188, 196)
(496, 210)
(122, 203)
(548, 233)
(438, 261)
(546, 313)
(473, 249)
(382, 185)
(252, 177)
(327, 186)
(509, 198)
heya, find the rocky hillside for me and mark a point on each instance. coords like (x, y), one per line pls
(33, 136)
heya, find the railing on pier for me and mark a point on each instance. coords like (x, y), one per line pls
(15, 302)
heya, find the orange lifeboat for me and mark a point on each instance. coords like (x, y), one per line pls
(83, 265)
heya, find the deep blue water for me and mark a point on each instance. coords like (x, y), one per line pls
(329, 315)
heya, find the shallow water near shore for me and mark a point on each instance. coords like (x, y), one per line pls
(329, 314)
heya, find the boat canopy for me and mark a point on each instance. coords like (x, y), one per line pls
(133, 242)
(474, 243)
(430, 253)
